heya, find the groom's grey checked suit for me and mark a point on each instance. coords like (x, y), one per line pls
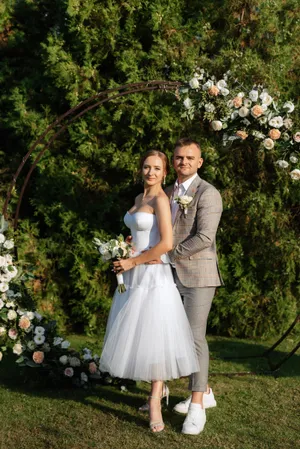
(195, 261)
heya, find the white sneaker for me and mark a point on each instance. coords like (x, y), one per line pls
(195, 421)
(208, 402)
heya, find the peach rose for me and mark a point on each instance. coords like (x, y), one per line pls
(274, 134)
(92, 367)
(237, 102)
(242, 134)
(214, 91)
(257, 111)
(38, 357)
(24, 322)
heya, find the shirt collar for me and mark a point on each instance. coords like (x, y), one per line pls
(186, 184)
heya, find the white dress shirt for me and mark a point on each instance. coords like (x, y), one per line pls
(179, 190)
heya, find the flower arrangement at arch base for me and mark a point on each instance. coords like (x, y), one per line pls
(33, 338)
(242, 115)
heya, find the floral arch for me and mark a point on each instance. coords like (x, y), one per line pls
(231, 111)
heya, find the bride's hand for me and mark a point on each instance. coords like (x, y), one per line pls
(122, 265)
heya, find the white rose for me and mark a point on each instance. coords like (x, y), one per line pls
(83, 377)
(241, 94)
(276, 122)
(2, 331)
(29, 315)
(63, 359)
(247, 103)
(39, 339)
(3, 287)
(224, 91)
(266, 98)
(264, 107)
(268, 144)
(39, 330)
(295, 174)
(194, 83)
(74, 361)
(12, 315)
(3, 262)
(209, 107)
(293, 159)
(289, 106)
(188, 103)
(8, 244)
(243, 111)
(65, 344)
(253, 95)
(1, 303)
(208, 85)
(221, 84)
(216, 125)
(2, 238)
(31, 345)
(57, 341)
(282, 163)
(296, 137)
(17, 349)
(185, 199)
(288, 123)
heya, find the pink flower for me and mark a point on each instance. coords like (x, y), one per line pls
(69, 372)
(237, 102)
(214, 91)
(24, 322)
(92, 367)
(242, 134)
(13, 333)
(38, 357)
(257, 111)
(274, 134)
(297, 137)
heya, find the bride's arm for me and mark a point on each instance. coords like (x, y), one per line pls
(163, 215)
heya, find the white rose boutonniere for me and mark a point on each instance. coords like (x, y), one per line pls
(184, 201)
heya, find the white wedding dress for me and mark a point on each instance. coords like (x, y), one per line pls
(148, 336)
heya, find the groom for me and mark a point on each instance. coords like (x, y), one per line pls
(195, 267)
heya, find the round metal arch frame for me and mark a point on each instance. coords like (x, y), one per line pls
(69, 117)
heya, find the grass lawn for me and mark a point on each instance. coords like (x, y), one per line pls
(253, 411)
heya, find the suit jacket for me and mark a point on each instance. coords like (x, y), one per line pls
(194, 235)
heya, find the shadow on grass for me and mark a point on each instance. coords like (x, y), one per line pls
(249, 356)
(124, 405)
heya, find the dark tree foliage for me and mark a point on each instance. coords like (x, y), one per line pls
(56, 53)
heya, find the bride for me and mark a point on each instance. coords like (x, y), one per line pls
(148, 336)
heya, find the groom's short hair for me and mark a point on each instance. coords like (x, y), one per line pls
(185, 141)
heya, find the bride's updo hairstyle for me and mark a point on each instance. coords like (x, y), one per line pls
(157, 153)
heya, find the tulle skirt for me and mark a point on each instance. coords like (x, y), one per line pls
(148, 336)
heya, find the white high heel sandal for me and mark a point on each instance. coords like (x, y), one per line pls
(165, 394)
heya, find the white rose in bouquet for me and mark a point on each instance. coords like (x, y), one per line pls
(2, 331)
(3, 287)
(2, 238)
(266, 99)
(244, 112)
(63, 359)
(39, 339)
(12, 315)
(17, 349)
(209, 107)
(276, 122)
(188, 103)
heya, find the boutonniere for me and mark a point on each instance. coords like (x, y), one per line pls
(184, 201)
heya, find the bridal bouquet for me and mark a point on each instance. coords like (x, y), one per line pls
(113, 250)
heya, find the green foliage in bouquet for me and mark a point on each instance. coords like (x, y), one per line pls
(54, 54)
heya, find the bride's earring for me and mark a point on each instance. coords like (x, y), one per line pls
(164, 181)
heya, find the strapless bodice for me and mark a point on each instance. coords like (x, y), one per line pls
(144, 229)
